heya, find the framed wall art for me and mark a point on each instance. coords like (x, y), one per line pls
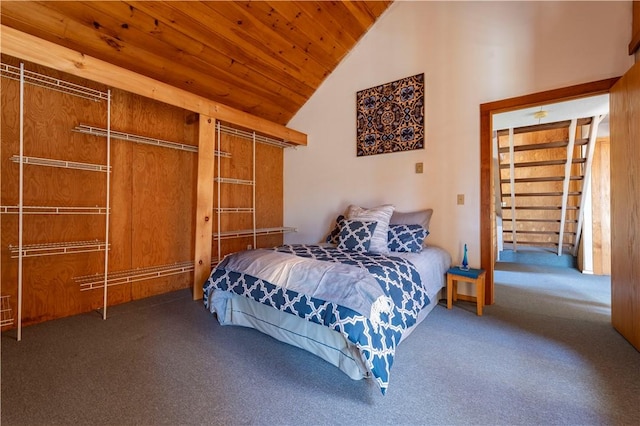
(390, 117)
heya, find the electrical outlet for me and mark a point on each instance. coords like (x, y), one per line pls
(249, 246)
(419, 167)
(460, 199)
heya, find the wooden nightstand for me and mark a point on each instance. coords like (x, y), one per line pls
(474, 276)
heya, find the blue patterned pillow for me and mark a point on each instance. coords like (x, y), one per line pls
(406, 238)
(335, 232)
(355, 234)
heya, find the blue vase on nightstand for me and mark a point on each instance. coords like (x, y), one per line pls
(465, 262)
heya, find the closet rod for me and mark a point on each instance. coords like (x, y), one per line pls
(13, 73)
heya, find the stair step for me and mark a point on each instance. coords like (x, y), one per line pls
(505, 219)
(570, 234)
(540, 194)
(543, 163)
(546, 126)
(558, 208)
(541, 179)
(538, 232)
(546, 145)
(539, 244)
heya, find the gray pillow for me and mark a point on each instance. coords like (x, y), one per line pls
(419, 217)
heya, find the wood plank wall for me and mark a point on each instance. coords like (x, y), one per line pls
(269, 161)
(84, 67)
(153, 195)
(600, 207)
(625, 206)
(634, 45)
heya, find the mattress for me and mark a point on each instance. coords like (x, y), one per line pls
(233, 309)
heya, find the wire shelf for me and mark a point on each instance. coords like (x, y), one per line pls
(53, 210)
(97, 131)
(234, 181)
(36, 79)
(249, 232)
(250, 135)
(234, 210)
(92, 282)
(51, 249)
(36, 161)
(6, 313)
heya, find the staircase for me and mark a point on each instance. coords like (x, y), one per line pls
(544, 177)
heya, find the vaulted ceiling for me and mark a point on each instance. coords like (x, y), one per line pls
(263, 57)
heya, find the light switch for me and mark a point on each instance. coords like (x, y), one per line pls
(460, 199)
(419, 168)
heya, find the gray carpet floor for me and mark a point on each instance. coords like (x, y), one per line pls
(545, 353)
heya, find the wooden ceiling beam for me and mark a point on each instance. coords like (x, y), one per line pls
(30, 48)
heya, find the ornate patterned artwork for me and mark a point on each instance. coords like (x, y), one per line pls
(391, 117)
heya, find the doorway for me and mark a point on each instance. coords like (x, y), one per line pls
(488, 243)
(551, 184)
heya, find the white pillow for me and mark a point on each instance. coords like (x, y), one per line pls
(382, 215)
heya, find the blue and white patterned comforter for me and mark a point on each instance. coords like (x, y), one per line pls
(375, 332)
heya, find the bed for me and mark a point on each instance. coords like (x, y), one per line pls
(344, 300)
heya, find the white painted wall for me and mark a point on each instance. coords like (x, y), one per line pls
(470, 53)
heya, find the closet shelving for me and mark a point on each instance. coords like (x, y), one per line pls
(60, 210)
(41, 80)
(49, 162)
(231, 181)
(6, 313)
(248, 232)
(92, 282)
(23, 250)
(33, 250)
(97, 281)
(97, 131)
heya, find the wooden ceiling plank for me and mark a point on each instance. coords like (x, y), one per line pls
(264, 57)
(288, 31)
(207, 53)
(33, 49)
(212, 26)
(361, 13)
(324, 20)
(339, 12)
(377, 8)
(240, 26)
(144, 31)
(120, 52)
(301, 22)
(192, 27)
(36, 17)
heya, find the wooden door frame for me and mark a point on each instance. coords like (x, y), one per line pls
(487, 211)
